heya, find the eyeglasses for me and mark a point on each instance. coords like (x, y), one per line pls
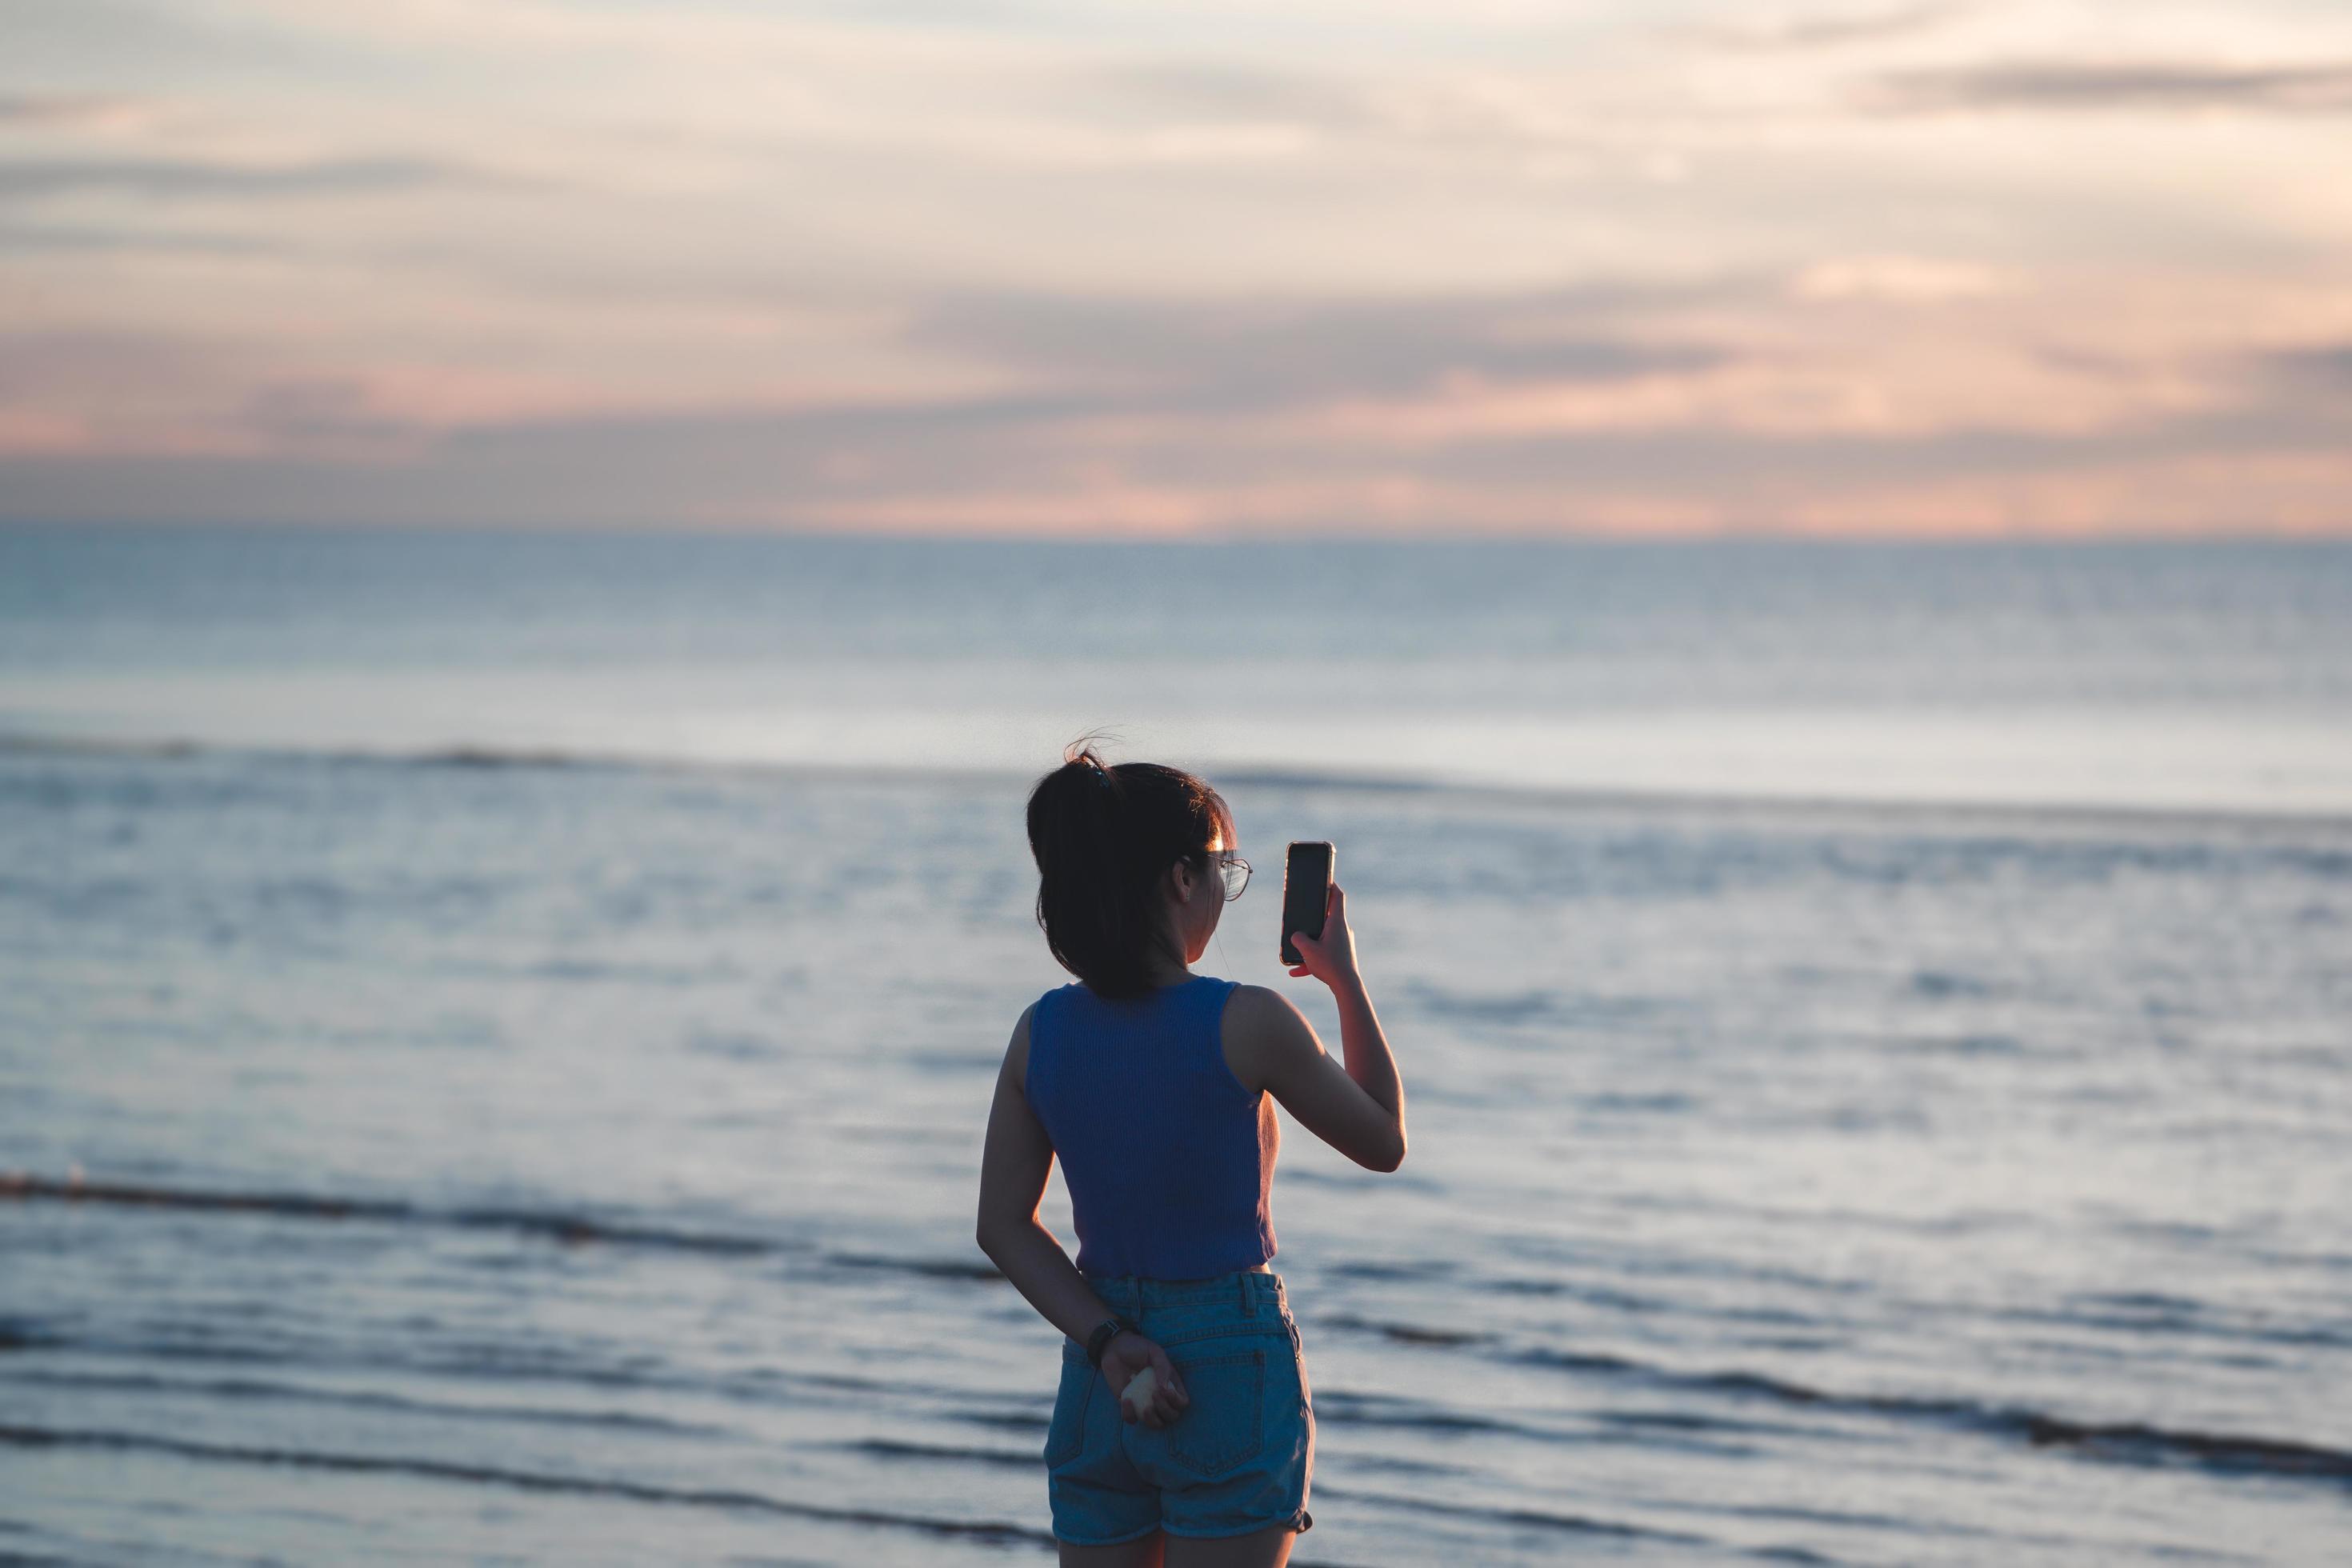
(1233, 885)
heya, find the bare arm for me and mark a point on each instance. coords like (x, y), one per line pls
(1014, 1166)
(1358, 1110)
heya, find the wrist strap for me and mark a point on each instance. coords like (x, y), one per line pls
(1099, 1340)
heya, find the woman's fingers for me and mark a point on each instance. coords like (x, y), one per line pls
(1309, 951)
(1168, 1395)
(1160, 1409)
(1171, 1387)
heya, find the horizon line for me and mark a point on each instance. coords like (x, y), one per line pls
(2335, 535)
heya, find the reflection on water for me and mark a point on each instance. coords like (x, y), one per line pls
(581, 1163)
(480, 1156)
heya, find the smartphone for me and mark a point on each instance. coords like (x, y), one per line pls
(1306, 891)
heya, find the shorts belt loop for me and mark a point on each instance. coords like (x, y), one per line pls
(1241, 1285)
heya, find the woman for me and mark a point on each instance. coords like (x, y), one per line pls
(1152, 1084)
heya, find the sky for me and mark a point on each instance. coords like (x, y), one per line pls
(2022, 268)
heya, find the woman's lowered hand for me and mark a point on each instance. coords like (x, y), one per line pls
(1128, 1353)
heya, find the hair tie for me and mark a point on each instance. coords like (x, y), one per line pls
(1102, 775)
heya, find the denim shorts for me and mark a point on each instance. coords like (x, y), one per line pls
(1237, 1459)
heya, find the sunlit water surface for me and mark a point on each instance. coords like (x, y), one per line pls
(487, 1153)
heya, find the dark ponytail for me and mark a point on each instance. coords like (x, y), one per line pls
(1103, 837)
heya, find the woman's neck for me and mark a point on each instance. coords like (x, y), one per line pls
(1164, 969)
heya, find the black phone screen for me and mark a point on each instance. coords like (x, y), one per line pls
(1305, 889)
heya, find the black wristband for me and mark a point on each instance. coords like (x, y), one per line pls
(1099, 1340)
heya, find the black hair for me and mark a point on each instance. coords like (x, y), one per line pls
(1102, 837)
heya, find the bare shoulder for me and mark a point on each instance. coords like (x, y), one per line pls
(1262, 1008)
(1263, 1028)
(1016, 1054)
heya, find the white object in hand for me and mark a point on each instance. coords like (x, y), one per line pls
(1137, 1394)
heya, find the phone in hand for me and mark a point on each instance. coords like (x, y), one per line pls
(1305, 891)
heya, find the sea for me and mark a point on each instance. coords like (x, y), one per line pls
(497, 1030)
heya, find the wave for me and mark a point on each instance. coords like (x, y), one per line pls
(1521, 1519)
(987, 1532)
(15, 1335)
(1538, 792)
(34, 742)
(474, 755)
(984, 1532)
(1406, 1333)
(1386, 1269)
(887, 1448)
(1345, 1408)
(25, 1560)
(2130, 1442)
(256, 1390)
(569, 1228)
(572, 1229)
(925, 1267)
(475, 1365)
(2146, 1312)
(1524, 1518)
(2228, 1452)
(1504, 1008)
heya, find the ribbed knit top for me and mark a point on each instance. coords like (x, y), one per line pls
(1169, 1160)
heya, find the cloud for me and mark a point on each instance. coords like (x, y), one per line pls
(1231, 355)
(1834, 31)
(329, 417)
(100, 391)
(37, 360)
(143, 238)
(2319, 88)
(2327, 367)
(1160, 269)
(1184, 90)
(970, 468)
(76, 110)
(37, 177)
(134, 394)
(1905, 279)
(1601, 408)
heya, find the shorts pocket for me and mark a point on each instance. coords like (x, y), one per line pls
(1225, 1425)
(1065, 1433)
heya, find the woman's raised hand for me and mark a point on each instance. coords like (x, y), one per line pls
(1331, 957)
(1129, 1353)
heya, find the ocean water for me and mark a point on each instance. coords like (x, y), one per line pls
(495, 1032)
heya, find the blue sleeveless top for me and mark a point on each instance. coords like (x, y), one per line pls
(1168, 1158)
